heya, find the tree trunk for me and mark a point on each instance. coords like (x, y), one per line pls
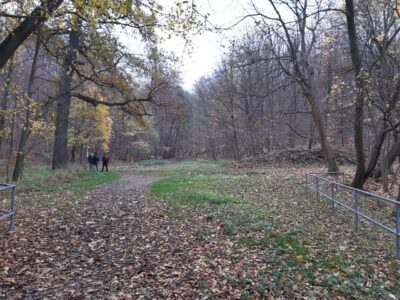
(236, 153)
(26, 129)
(319, 124)
(375, 152)
(4, 105)
(19, 163)
(292, 138)
(359, 177)
(73, 152)
(60, 150)
(235, 139)
(210, 142)
(390, 158)
(326, 149)
(306, 83)
(40, 14)
(311, 139)
(10, 152)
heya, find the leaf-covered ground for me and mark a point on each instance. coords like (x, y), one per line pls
(227, 233)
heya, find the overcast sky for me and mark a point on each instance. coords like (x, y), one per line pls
(206, 48)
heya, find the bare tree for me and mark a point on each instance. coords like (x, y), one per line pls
(296, 40)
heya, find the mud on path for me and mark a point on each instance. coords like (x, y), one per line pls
(117, 243)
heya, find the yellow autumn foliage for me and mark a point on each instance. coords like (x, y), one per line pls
(104, 126)
(90, 125)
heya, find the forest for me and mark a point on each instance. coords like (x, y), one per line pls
(312, 74)
(300, 87)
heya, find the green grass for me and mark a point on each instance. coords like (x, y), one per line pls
(42, 186)
(153, 162)
(168, 168)
(43, 179)
(89, 181)
(191, 190)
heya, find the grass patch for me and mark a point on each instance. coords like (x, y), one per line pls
(169, 168)
(43, 179)
(199, 197)
(191, 190)
(152, 163)
(254, 242)
(87, 182)
(42, 186)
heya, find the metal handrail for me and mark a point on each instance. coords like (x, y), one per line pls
(354, 189)
(11, 212)
(321, 181)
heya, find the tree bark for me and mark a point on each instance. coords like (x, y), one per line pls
(40, 14)
(19, 163)
(236, 150)
(375, 152)
(236, 153)
(60, 150)
(4, 105)
(10, 152)
(319, 123)
(73, 152)
(359, 177)
(26, 129)
(311, 139)
(390, 158)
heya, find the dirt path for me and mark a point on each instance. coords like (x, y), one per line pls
(115, 244)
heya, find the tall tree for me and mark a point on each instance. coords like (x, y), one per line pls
(358, 180)
(60, 150)
(26, 129)
(379, 42)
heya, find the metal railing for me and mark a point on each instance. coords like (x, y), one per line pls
(338, 194)
(9, 213)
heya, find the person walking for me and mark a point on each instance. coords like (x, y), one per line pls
(95, 161)
(90, 160)
(105, 160)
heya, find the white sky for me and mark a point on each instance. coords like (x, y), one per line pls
(206, 48)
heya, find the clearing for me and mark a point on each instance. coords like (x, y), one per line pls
(190, 230)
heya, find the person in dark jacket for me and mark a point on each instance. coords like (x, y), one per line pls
(90, 160)
(95, 161)
(105, 160)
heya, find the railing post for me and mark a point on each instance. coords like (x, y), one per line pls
(398, 231)
(356, 210)
(12, 209)
(333, 197)
(317, 187)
